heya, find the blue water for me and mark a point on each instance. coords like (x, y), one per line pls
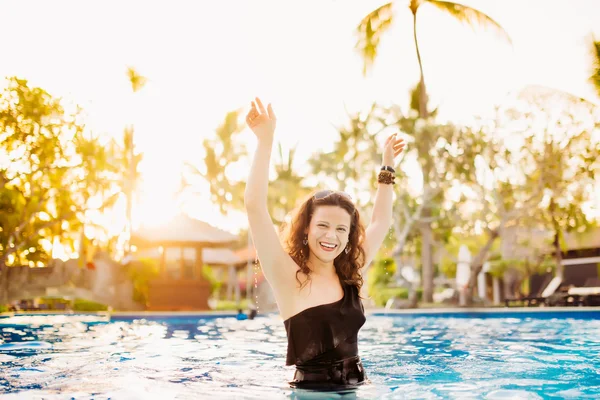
(456, 356)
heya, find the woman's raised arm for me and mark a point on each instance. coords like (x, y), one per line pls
(273, 259)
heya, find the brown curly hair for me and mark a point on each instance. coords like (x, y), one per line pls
(347, 266)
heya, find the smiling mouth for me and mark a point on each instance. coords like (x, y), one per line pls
(328, 246)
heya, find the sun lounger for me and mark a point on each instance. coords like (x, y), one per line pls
(539, 299)
(588, 294)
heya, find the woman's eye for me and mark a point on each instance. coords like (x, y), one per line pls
(341, 229)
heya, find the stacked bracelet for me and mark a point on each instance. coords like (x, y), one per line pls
(386, 177)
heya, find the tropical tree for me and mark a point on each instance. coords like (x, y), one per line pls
(595, 77)
(522, 259)
(446, 154)
(287, 189)
(563, 156)
(375, 24)
(130, 159)
(223, 154)
(449, 162)
(502, 200)
(370, 31)
(352, 164)
(226, 153)
(50, 169)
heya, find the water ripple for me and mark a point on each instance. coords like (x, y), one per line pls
(405, 357)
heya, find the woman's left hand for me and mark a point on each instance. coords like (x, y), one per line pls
(394, 145)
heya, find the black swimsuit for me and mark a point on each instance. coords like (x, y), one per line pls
(323, 344)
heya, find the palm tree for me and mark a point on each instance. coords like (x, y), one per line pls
(287, 189)
(595, 77)
(377, 22)
(137, 82)
(370, 31)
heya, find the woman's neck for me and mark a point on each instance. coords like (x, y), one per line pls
(319, 267)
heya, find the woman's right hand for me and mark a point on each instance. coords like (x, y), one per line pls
(261, 121)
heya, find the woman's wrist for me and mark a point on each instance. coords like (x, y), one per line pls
(265, 141)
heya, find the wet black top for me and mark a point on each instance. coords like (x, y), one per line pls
(327, 332)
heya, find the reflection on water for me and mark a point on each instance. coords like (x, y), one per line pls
(176, 357)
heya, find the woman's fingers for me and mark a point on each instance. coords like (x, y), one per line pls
(388, 140)
(271, 113)
(398, 146)
(260, 106)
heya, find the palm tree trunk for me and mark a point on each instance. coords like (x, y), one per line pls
(425, 227)
(426, 257)
(477, 264)
(423, 112)
(556, 241)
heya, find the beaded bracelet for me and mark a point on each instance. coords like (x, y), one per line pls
(386, 177)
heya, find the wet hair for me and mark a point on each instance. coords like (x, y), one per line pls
(347, 266)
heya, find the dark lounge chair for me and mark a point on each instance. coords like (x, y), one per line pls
(547, 289)
(586, 295)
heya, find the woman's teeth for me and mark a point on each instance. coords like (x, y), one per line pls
(328, 246)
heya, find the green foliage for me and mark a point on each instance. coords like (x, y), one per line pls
(136, 80)
(370, 30)
(381, 295)
(52, 168)
(379, 21)
(526, 267)
(380, 273)
(53, 302)
(448, 267)
(286, 190)
(380, 277)
(224, 152)
(356, 156)
(228, 305)
(474, 243)
(427, 135)
(595, 77)
(562, 156)
(86, 305)
(141, 272)
(209, 275)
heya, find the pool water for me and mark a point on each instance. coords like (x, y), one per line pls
(462, 356)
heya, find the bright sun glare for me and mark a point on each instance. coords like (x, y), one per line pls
(197, 72)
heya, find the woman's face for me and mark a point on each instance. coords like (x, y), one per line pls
(328, 232)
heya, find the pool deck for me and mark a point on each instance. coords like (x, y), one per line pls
(481, 310)
(491, 311)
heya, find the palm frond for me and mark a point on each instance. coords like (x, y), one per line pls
(369, 33)
(595, 78)
(136, 80)
(470, 16)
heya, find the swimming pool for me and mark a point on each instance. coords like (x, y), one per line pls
(412, 355)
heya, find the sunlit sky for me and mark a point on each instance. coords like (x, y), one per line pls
(205, 58)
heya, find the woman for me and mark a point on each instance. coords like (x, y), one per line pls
(316, 279)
